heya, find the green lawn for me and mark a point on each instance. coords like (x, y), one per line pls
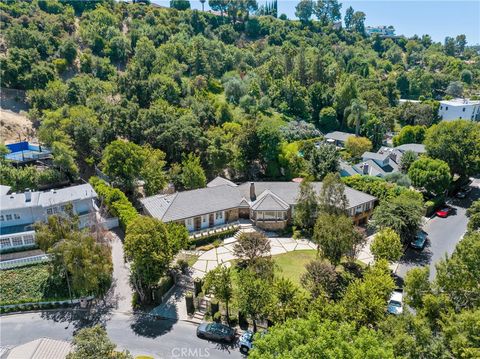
(29, 284)
(291, 265)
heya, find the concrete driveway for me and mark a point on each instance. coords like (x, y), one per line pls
(443, 236)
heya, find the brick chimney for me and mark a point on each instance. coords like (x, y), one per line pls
(253, 196)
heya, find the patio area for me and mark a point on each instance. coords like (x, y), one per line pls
(224, 254)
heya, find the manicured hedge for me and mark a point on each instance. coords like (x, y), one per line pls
(115, 200)
(213, 237)
(376, 186)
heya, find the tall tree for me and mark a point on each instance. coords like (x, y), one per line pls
(387, 245)
(403, 214)
(355, 114)
(431, 175)
(332, 198)
(306, 207)
(92, 343)
(320, 279)
(358, 22)
(322, 160)
(180, 4)
(348, 19)
(457, 143)
(304, 10)
(219, 282)
(254, 296)
(335, 237)
(148, 247)
(327, 11)
(193, 175)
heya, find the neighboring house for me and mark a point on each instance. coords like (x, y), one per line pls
(43, 348)
(337, 138)
(386, 160)
(269, 205)
(384, 31)
(459, 108)
(19, 211)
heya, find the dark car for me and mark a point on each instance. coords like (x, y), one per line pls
(216, 331)
(419, 241)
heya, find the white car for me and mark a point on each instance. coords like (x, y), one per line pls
(395, 304)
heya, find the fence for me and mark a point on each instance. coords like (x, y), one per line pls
(20, 262)
(54, 302)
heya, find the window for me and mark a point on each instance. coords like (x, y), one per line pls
(2, 218)
(219, 215)
(17, 241)
(204, 219)
(358, 209)
(49, 211)
(463, 109)
(28, 239)
(16, 216)
(189, 222)
(5, 242)
(446, 108)
(441, 107)
(9, 217)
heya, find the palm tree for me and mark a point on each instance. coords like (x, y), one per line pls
(355, 114)
(203, 3)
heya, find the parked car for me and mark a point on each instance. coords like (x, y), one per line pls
(216, 331)
(444, 212)
(246, 342)
(420, 240)
(395, 304)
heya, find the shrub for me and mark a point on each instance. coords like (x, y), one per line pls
(217, 317)
(214, 307)
(182, 264)
(189, 303)
(199, 242)
(115, 200)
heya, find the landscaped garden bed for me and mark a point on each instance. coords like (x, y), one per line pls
(29, 285)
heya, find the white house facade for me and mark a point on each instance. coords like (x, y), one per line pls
(459, 109)
(19, 211)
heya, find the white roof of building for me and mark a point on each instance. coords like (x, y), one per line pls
(43, 348)
(4, 189)
(460, 102)
(47, 198)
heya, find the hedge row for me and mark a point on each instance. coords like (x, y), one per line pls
(115, 200)
(33, 306)
(376, 186)
(213, 237)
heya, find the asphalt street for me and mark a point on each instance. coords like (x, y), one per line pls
(141, 335)
(443, 236)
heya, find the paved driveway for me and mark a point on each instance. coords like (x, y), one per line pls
(443, 236)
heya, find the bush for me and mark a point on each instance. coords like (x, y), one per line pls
(197, 283)
(214, 307)
(203, 241)
(217, 317)
(182, 264)
(115, 200)
(189, 303)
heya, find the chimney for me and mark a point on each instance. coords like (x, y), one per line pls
(253, 196)
(28, 195)
(365, 168)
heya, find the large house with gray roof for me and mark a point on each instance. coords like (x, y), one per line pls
(379, 164)
(269, 205)
(19, 211)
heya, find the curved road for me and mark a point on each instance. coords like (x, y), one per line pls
(139, 333)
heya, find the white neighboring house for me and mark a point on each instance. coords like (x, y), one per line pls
(19, 211)
(459, 108)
